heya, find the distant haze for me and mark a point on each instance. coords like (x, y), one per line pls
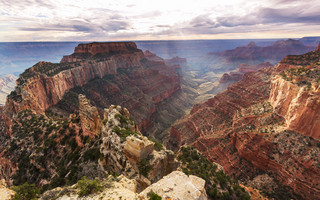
(15, 57)
(99, 20)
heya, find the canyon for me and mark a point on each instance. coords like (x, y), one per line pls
(104, 109)
(107, 73)
(267, 123)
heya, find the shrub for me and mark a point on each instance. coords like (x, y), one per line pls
(87, 186)
(92, 154)
(121, 118)
(26, 192)
(153, 196)
(157, 145)
(144, 167)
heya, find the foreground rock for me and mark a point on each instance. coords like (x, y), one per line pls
(5, 192)
(176, 185)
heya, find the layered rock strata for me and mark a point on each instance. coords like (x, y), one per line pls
(108, 73)
(263, 122)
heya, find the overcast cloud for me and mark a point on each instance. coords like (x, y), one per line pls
(99, 20)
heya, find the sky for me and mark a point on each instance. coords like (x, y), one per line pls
(113, 20)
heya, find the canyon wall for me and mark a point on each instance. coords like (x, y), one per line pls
(107, 73)
(264, 124)
(298, 105)
(42, 91)
(295, 92)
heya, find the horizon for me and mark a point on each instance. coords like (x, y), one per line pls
(151, 40)
(124, 20)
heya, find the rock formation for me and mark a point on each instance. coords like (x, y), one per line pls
(108, 73)
(44, 85)
(129, 153)
(56, 151)
(295, 93)
(7, 84)
(263, 122)
(254, 54)
(89, 117)
(237, 74)
(178, 185)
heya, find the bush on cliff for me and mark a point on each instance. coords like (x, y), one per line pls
(153, 196)
(218, 184)
(26, 191)
(87, 186)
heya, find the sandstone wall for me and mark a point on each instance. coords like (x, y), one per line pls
(300, 106)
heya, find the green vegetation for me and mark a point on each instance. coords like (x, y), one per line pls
(121, 118)
(153, 196)
(123, 133)
(92, 154)
(87, 186)
(303, 75)
(157, 145)
(26, 191)
(218, 184)
(50, 69)
(50, 139)
(144, 167)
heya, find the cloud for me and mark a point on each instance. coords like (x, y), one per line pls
(259, 19)
(96, 20)
(289, 15)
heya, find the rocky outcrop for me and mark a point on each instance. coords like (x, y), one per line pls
(299, 106)
(295, 93)
(129, 153)
(138, 148)
(318, 49)
(178, 185)
(231, 77)
(237, 74)
(83, 51)
(5, 192)
(120, 188)
(91, 123)
(151, 56)
(7, 84)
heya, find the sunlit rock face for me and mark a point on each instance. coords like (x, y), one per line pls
(108, 73)
(178, 185)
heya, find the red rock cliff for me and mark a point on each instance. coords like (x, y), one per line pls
(108, 73)
(43, 91)
(295, 93)
(244, 132)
